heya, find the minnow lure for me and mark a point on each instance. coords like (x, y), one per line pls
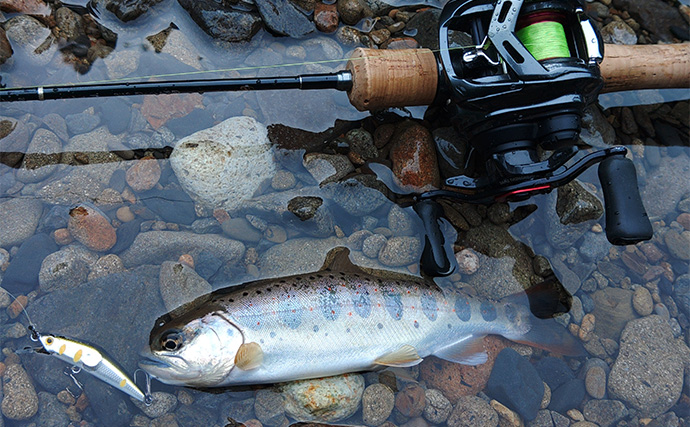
(87, 358)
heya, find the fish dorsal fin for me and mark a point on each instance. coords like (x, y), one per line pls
(338, 259)
(469, 351)
(249, 356)
(404, 357)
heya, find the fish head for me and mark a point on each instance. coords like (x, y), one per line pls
(198, 352)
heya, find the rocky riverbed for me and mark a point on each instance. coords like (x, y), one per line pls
(111, 215)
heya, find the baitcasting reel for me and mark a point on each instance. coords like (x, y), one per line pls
(518, 75)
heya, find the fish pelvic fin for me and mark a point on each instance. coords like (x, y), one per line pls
(249, 356)
(468, 351)
(404, 357)
(548, 335)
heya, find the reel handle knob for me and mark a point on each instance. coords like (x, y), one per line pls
(434, 260)
(627, 222)
(385, 78)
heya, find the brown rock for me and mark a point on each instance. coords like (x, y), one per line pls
(62, 236)
(455, 380)
(5, 47)
(91, 228)
(28, 7)
(411, 401)
(684, 220)
(144, 174)
(326, 17)
(17, 306)
(413, 155)
(586, 331)
(187, 260)
(401, 43)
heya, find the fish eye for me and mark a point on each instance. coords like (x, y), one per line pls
(171, 340)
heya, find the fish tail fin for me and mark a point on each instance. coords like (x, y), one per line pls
(546, 300)
(547, 334)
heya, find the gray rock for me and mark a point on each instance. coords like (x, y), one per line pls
(240, 410)
(15, 137)
(283, 18)
(297, 256)
(19, 220)
(211, 163)
(648, 372)
(283, 180)
(77, 185)
(678, 244)
(162, 404)
(642, 301)
(400, 221)
(372, 245)
(41, 157)
(350, 11)
(241, 229)
(64, 269)
(655, 16)
(575, 205)
(612, 310)
(377, 404)
(326, 400)
(70, 24)
(595, 382)
(127, 10)
(559, 234)
(426, 24)
(681, 293)
(618, 32)
(359, 195)
(543, 419)
(437, 408)
(51, 413)
(220, 22)
(594, 246)
(155, 247)
(80, 123)
(361, 145)
(269, 407)
(472, 411)
(30, 36)
(180, 284)
(326, 168)
(605, 412)
(666, 187)
(20, 401)
(400, 251)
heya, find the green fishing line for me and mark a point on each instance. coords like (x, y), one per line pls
(545, 40)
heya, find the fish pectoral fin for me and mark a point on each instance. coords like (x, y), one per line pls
(249, 356)
(404, 357)
(469, 351)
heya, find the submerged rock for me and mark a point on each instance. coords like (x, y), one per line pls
(22, 274)
(413, 154)
(648, 373)
(222, 22)
(326, 400)
(18, 220)
(224, 165)
(283, 18)
(377, 404)
(20, 401)
(180, 284)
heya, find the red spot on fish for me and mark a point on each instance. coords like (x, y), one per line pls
(376, 290)
(412, 307)
(311, 308)
(293, 311)
(349, 314)
(332, 311)
(379, 305)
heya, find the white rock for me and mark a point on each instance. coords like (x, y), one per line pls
(225, 164)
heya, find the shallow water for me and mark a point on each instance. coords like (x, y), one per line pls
(117, 311)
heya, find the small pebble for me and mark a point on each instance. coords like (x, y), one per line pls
(185, 397)
(372, 245)
(468, 261)
(595, 382)
(642, 301)
(586, 332)
(20, 401)
(186, 259)
(410, 401)
(283, 180)
(17, 306)
(575, 415)
(547, 397)
(275, 233)
(66, 397)
(62, 236)
(91, 228)
(377, 404)
(124, 214)
(144, 174)
(162, 404)
(437, 408)
(221, 215)
(507, 417)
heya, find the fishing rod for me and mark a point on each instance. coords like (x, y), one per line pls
(517, 86)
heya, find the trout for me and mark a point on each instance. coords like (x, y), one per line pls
(340, 319)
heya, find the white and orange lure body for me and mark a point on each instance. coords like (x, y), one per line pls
(91, 360)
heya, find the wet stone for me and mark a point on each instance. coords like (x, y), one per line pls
(437, 408)
(410, 401)
(241, 229)
(543, 419)
(65, 268)
(326, 17)
(642, 301)
(41, 157)
(283, 18)
(413, 157)
(20, 401)
(358, 196)
(80, 123)
(283, 180)
(595, 382)
(350, 11)
(678, 244)
(400, 251)
(162, 404)
(327, 168)
(472, 411)
(618, 32)
(180, 284)
(91, 228)
(362, 148)
(400, 221)
(516, 383)
(329, 399)
(377, 404)
(468, 261)
(19, 220)
(612, 310)
(567, 396)
(143, 174)
(269, 408)
(681, 292)
(50, 411)
(22, 274)
(171, 205)
(372, 245)
(605, 413)
(554, 371)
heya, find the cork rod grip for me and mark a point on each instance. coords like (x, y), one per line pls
(392, 78)
(646, 66)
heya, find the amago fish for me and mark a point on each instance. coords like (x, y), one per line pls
(330, 322)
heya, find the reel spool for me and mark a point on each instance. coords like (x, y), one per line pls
(516, 76)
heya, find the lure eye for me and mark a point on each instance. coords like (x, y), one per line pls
(171, 341)
(49, 341)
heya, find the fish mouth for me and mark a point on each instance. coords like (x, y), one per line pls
(150, 362)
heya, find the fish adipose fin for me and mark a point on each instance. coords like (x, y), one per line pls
(404, 357)
(249, 356)
(469, 351)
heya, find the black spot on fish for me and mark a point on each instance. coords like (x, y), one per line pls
(298, 278)
(462, 308)
(416, 324)
(268, 289)
(231, 300)
(258, 292)
(330, 276)
(272, 334)
(290, 312)
(393, 303)
(261, 341)
(450, 326)
(488, 311)
(244, 294)
(429, 306)
(282, 281)
(312, 278)
(329, 302)
(380, 326)
(316, 328)
(511, 313)
(347, 330)
(362, 304)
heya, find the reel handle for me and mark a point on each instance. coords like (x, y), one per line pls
(627, 222)
(645, 66)
(434, 260)
(392, 78)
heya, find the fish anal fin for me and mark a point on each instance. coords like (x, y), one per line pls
(338, 259)
(404, 357)
(249, 356)
(469, 351)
